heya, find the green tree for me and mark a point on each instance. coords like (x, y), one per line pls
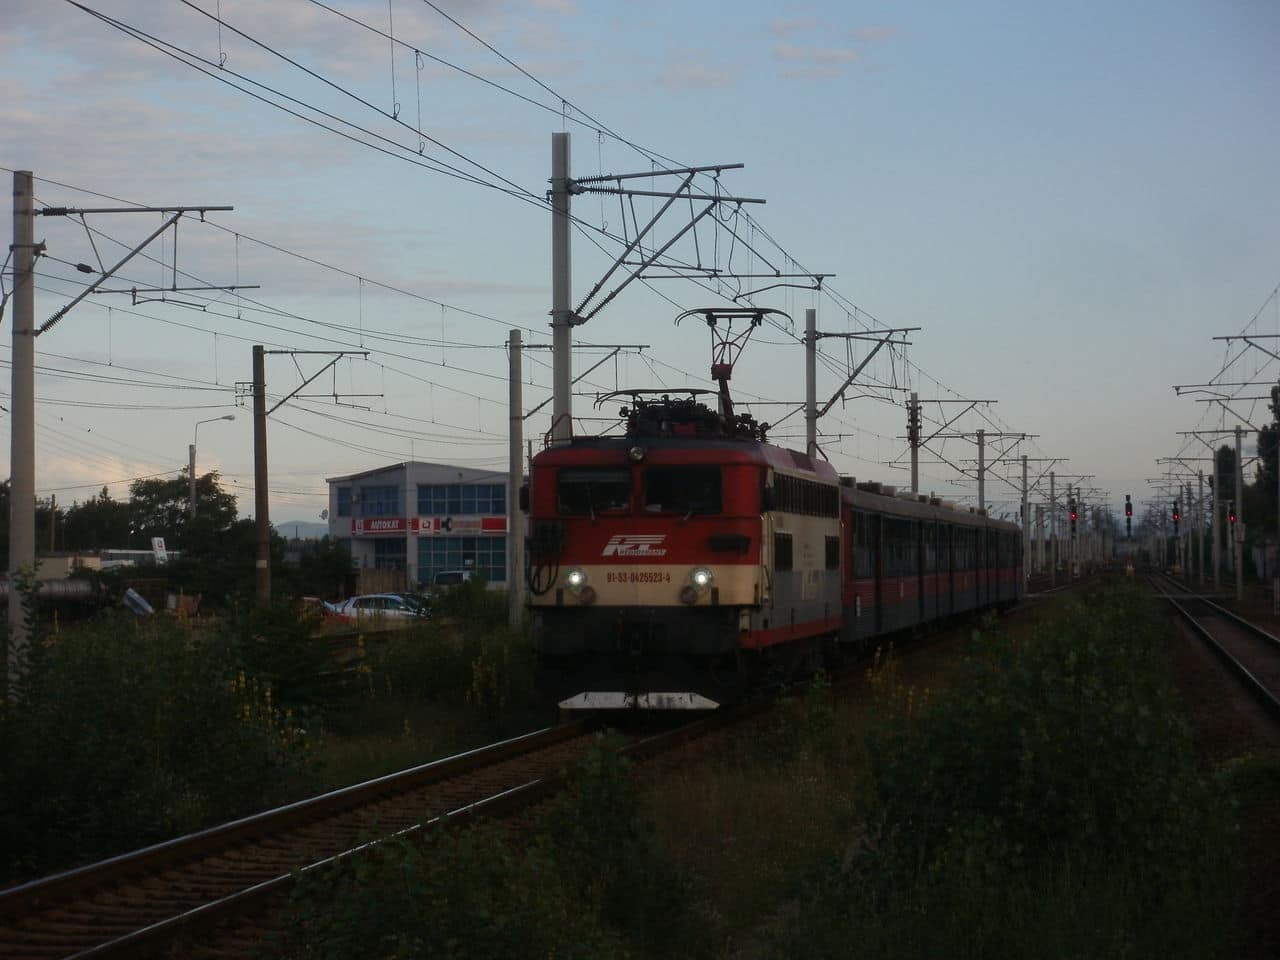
(159, 508)
(98, 523)
(1262, 507)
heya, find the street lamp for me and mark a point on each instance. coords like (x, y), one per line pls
(191, 464)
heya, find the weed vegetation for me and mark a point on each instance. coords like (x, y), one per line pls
(589, 880)
(1049, 804)
(129, 731)
(1043, 802)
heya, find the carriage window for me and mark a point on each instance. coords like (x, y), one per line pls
(586, 491)
(833, 553)
(686, 490)
(782, 551)
(863, 546)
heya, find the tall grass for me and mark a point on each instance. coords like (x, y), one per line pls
(589, 880)
(127, 732)
(1047, 804)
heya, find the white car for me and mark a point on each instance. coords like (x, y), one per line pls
(391, 605)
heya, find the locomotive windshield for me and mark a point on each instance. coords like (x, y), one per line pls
(586, 491)
(685, 490)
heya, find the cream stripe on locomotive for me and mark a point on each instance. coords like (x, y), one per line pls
(678, 585)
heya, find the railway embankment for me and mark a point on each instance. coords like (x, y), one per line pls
(1032, 789)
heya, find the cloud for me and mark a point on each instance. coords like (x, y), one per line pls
(813, 63)
(798, 53)
(694, 70)
(874, 34)
(782, 27)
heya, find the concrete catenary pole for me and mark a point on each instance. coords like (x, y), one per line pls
(1040, 538)
(515, 474)
(1217, 511)
(1026, 523)
(811, 384)
(191, 479)
(22, 421)
(1238, 553)
(1053, 533)
(913, 435)
(262, 518)
(561, 287)
(982, 469)
(1200, 531)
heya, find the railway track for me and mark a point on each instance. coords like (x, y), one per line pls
(1249, 652)
(212, 892)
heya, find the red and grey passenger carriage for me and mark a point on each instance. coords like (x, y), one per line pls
(688, 560)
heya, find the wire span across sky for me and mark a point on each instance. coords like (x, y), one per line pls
(1003, 183)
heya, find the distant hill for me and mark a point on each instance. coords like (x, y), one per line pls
(300, 529)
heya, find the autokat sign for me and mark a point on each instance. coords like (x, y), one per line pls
(364, 526)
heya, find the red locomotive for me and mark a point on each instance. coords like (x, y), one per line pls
(689, 561)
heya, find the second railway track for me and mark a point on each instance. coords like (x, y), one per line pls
(1251, 653)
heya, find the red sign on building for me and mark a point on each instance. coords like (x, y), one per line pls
(368, 526)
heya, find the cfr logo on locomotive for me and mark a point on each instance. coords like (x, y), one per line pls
(635, 545)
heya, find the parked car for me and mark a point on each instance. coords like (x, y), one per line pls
(391, 605)
(451, 578)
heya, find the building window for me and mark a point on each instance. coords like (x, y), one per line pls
(344, 501)
(462, 499)
(381, 501)
(833, 553)
(483, 556)
(389, 554)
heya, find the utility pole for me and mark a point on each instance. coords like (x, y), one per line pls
(1238, 532)
(261, 499)
(561, 274)
(22, 429)
(1200, 531)
(913, 436)
(1053, 533)
(1026, 523)
(811, 386)
(515, 474)
(982, 470)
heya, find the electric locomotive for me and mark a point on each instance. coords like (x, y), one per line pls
(688, 561)
(677, 565)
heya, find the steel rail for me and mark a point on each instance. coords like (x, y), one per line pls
(1263, 694)
(504, 803)
(22, 899)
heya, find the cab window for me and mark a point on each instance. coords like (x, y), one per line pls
(586, 491)
(686, 490)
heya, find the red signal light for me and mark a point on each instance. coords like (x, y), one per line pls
(1231, 516)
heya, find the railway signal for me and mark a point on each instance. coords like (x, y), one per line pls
(1073, 517)
(1177, 515)
(1128, 506)
(1128, 517)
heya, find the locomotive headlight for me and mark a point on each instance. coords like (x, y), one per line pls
(636, 454)
(702, 577)
(576, 578)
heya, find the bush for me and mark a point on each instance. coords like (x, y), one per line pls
(472, 603)
(589, 883)
(128, 732)
(1048, 803)
(460, 893)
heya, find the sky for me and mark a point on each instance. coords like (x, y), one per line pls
(1070, 201)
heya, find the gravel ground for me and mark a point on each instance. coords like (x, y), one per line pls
(1230, 727)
